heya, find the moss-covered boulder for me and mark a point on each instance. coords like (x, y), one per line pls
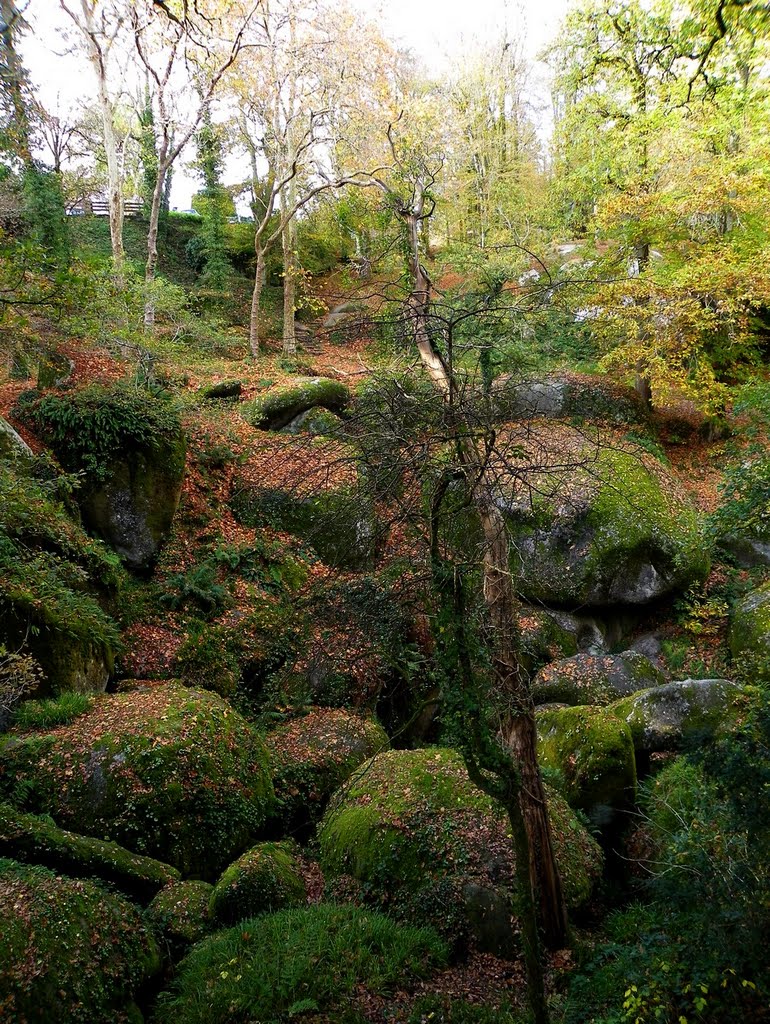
(567, 396)
(170, 773)
(222, 390)
(543, 639)
(54, 583)
(750, 632)
(681, 714)
(312, 756)
(131, 449)
(593, 751)
(336, 519)
(264, 879)
(297, 961)
(12, 445)
(180, 915)
(421, 840)
(34, 840)
(595, 679)
(602, 527)
(283, 404)
(71, 952)
(317, 421)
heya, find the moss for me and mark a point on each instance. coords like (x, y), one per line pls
(34, 840)
(71, 952)
(750, 634)
(281, 405)
(594, 679)
(54, 581)
(422, 840)
(180, 916)
(681, 714)
(612, 530)
(168, 772)
(312, 756)
(543, 639)
(338, 522)
(594, 754)
(264, 879)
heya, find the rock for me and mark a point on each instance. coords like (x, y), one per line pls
(12, 445)
(750, 632)
(134, 508)
(170, 773)
(180, 915)
(595, 679)
(281, 405)
(746, 551)
(543, 638)
(264, 879)
(585, 629)
(317, 421)
(420, 839)
(54, 582)
(130, 448)
(567, 396)
(603, 528)
(222, 389)
(680, 714)
(651, 646)
(594, 752)
(53, 370)
(71, 951)
(312, 756)
(34, 840)
(336, 520)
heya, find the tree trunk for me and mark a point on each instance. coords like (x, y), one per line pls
(502, 609)
(259, 280)
(288, 238)
(152, 246)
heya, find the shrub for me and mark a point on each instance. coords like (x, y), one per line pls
(277, 966)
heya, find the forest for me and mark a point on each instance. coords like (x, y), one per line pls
(384, 536)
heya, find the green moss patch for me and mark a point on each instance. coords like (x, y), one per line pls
(34, 840)
(594, 679)
(593, 752)
(71, 952)
(311, 756)
(420, 839)
(282, 404)
(180, 915)
(264, 879)
(168, 772)
(296, 961)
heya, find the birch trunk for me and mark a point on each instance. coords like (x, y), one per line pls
(259, 280)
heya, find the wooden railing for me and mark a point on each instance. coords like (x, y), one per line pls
(101, 208)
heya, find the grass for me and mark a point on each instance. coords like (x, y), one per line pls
(274, 968)
(47, 714)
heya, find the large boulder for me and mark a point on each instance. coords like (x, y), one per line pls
(681, 714)
(411, 832)
(169, 772)
(336, 519)
(283, 404)
(34, 840)
(750, 632)
(180, 915)
(130, 447)
(567, 396)
(71, 951)
(601, 527)
(54, 583)
(264, 879)
(312, 756)
(593, 751)
(595, 679)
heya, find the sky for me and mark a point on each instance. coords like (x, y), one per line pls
(437, 30)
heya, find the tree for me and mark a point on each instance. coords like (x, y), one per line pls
(176, 55)
(506, 766)
(102, 26)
